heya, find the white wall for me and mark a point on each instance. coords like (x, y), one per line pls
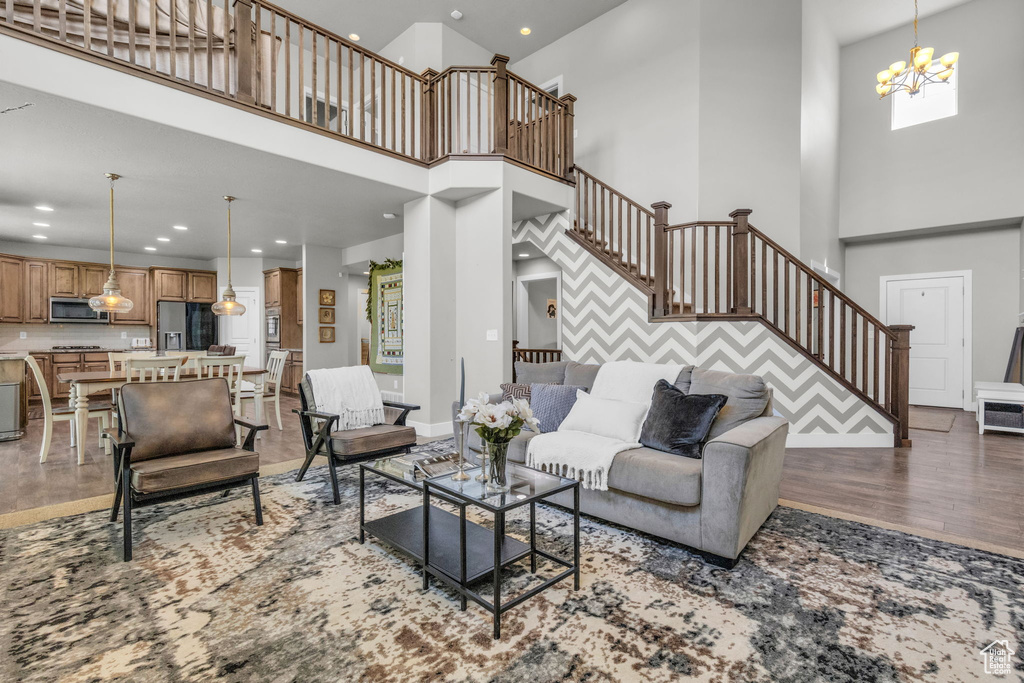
(322, 269)
(543, 330)
(819, 141)
(436, 46)
(992, 255)
(956, 170)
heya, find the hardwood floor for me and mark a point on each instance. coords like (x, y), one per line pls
(956, 483)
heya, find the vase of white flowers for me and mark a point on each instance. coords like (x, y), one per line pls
(497, 424)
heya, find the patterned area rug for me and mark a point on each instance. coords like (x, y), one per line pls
(210, 595)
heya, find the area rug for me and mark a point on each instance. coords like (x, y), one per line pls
(931, 420)
(212, 596)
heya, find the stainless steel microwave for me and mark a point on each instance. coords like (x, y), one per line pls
(65, 310)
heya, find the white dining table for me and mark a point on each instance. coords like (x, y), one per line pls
(85, 383)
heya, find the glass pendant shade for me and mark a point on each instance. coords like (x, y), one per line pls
(227, 305)
(111, 300)
(911, 77)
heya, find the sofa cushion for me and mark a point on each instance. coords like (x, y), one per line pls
(678, 423)
(581, 375)
(516, 447)
(551, 403)
(618, 420)
(748, 397)
(541, 373)
(193, 469)
(510, 391)
(684, 378)
(657, 475)
(353, 442)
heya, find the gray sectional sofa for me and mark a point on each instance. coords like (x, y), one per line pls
(714, 504)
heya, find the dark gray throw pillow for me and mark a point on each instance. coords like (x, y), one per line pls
(679, 423)
(551, 403)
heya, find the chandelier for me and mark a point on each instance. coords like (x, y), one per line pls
(911, 78)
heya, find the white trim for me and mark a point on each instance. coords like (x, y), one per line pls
(557, 80)
(523, 312)
(967, 275)
(431, 430)
(839, 441)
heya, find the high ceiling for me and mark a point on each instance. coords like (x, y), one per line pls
(854, 20)
(493, 24)
(56, 152)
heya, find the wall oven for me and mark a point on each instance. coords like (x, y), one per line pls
(65, 310)
(273, 316)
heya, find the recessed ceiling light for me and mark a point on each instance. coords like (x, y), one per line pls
(44, 208)
(390, 216)
(524, 255)
(41, 225)
(163, 239)
(525, 30)
(353, 36)
(366, 272)
(181, 227)
(257, 251)
(40, 237)
(456, 15)
(281, 241)
(150, 248)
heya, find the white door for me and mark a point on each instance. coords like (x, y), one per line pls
(935, 306)
(245, 331)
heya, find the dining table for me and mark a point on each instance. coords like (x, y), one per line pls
(84, 383)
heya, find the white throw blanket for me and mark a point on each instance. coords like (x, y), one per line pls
(349, 393)
(576, 455)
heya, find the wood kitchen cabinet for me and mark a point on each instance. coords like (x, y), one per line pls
(12, 288)
(298, 298)
(91, 278)
(63, 279)
(134, 285)
(61, 363)
(37, 292)
(170, 285)
(77, 280)
(272, 287)
(43, 359)
(202, 287)
(292, 374)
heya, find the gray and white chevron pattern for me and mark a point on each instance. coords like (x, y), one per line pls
(604, 318)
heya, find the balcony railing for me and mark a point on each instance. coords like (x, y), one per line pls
(268, 60)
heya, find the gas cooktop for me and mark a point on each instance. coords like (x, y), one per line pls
(74, 348)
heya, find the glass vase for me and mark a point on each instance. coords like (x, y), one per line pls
(497, 454)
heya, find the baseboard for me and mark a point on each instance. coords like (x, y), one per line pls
(431, 430)
(839, 441)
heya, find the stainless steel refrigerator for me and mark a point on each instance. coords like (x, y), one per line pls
(185, 327)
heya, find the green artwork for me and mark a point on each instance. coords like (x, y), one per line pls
(386, 313)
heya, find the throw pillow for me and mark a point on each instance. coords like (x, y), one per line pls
(683, 380)
(619, 420)
(541, 373)
(748, 397)
(551, 403)
(678, 423)
(511, 391)
(581, 375)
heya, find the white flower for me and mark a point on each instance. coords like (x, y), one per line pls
(494, 416)
(524, 411)
(472, 407)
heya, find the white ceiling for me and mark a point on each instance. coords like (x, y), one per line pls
(56, 152)
(854, 20)
(493, 24)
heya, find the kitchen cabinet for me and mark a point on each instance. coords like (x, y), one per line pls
(298, 298)
(12, 287)
(272, 287)
(77, 280)
(63, 279)
(202, 287)
(61, 390)
(134, 285)
(43, 359)
(170, 285)
(91, 278)
(37, 292)
(292, 374)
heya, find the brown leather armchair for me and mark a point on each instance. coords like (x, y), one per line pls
(350, 445)
(176, 440)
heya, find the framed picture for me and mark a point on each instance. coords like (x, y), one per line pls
(552, 308)
(326, 335)
(327, 316)
(326, 297)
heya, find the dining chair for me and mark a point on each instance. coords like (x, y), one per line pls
(100, 411)
(156, 369)
(275, 368)
(116, 359)
(230, 368)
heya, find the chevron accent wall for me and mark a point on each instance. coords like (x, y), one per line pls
(604, 318)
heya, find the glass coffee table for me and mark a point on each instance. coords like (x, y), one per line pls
(462, 553)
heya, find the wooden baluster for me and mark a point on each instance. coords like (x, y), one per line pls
(820, 312)
(693, 268)
(865, 358)
(110, 30)
(785, 295)
(810, 313)
(300, 87)
(618, 224)
(741, 282)
(314, 72)
(362, 96)
(500, 63)
(374, 119)
(831, 330)
(243, 50)
(351, 92)
(797, 277)
(874, 366)
(842, 339)
(394, 109)
(192, 37)
(764, 279)
(718, 274)
(853, 347)
(704, 267)
(661, 294)
(209, 48)
(288, 68)
(900, 369)
(87, 26)
(629, 239)
(132, 21)
(888, 373)
(457, 120)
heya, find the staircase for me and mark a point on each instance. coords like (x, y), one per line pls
(715, 270)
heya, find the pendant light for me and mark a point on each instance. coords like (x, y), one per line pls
(228, 305)
(111, 300)
(912, 77)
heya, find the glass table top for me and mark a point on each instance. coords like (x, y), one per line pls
(525, 485)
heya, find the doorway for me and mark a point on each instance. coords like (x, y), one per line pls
(244, 332)
(539, 310)
(938, 305)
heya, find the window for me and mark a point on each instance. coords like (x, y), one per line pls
(936, 101)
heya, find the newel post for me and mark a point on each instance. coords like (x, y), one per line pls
(661, 294)
(244, 44)
(900, 370)
(568, 153)
(741, 261)
(428, 116)
(500, 63)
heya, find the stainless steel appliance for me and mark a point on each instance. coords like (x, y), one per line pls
(185, 327)
(10, 411)
(172, 341)
(273, 316)
(66, 310)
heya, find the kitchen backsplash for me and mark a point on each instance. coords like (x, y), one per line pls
(43, 337)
